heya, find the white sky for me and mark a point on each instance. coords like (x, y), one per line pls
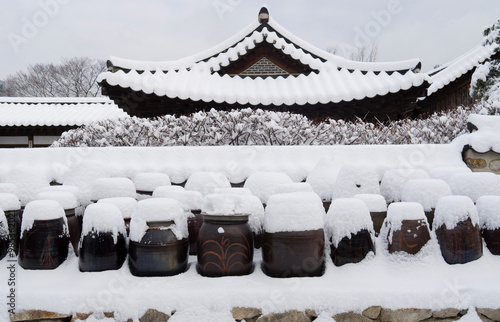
(46, 30)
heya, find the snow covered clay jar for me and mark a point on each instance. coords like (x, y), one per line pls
(488, 208)
(44, 235)
(378, 209)
(126, 206)
(294, 237)
(426, 192)
(456, 224)
(112, 188)
(406, 228)
(102, 243)
(350, 228)
(146, 182)
(191, 202)
(159, 244)
(11, 206)
(225, 240)
(69, 203)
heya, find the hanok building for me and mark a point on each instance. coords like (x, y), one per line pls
(450, 83)
(265, 66)
(39, 121)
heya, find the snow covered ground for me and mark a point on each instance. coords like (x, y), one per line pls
(389, 281)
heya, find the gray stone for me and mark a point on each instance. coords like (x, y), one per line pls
(289, 316)
(245, 313)
(446, 313)
(493, 314)
(372, 312)
(311, 314)
(39, 315)
(405, 315)
(351, 317)
(153, 315)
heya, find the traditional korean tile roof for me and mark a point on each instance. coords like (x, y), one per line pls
(41, 111)
(444, 75)
(332, 79)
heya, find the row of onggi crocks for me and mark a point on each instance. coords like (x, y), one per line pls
(291, 222)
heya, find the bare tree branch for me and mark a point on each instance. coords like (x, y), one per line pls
(74, 77)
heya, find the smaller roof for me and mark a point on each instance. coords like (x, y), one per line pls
(443, 75)
(59, 111)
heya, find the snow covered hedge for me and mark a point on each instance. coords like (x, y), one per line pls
(258, 127)
(485, 84)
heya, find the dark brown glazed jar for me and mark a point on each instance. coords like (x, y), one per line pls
(412, 236)
(159, 253)
(44, 245)
(461, 244)
(293, 253)
(74, 227)
(492, 240)
(352, 249)
(4, 238)
(194, 225)
(14, 218)
(225, 246)
(101, 251)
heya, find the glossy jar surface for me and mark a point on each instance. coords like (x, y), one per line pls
(101, 252)
(461, 244)
(293, 253)
(225, 246)
(352, 249)
(45, 245)
(159, 253)
(412, 236)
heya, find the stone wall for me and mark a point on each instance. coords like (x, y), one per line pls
(374, 313)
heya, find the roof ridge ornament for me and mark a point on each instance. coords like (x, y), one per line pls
(263, 15)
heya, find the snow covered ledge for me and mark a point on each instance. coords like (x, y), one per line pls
(380, 288)
(236, 162)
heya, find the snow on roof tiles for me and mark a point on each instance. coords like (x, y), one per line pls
(195, 78)
(444, 75)
(41, 111)
(334, 86)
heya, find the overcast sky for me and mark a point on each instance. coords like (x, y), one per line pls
(436, 31)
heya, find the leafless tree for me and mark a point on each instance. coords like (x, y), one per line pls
(366, 52)
(73, 77)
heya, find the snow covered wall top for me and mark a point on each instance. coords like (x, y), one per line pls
(42, 111)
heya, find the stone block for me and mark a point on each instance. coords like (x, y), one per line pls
(403, 315)
(35, 315)
(372, 312)
(245, 313)
(288, 316)
(446, 313)
(153, 315)
(493, 314)
(351, 317)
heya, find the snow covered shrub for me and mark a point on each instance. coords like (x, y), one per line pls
(485, 84)
(258, 127)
